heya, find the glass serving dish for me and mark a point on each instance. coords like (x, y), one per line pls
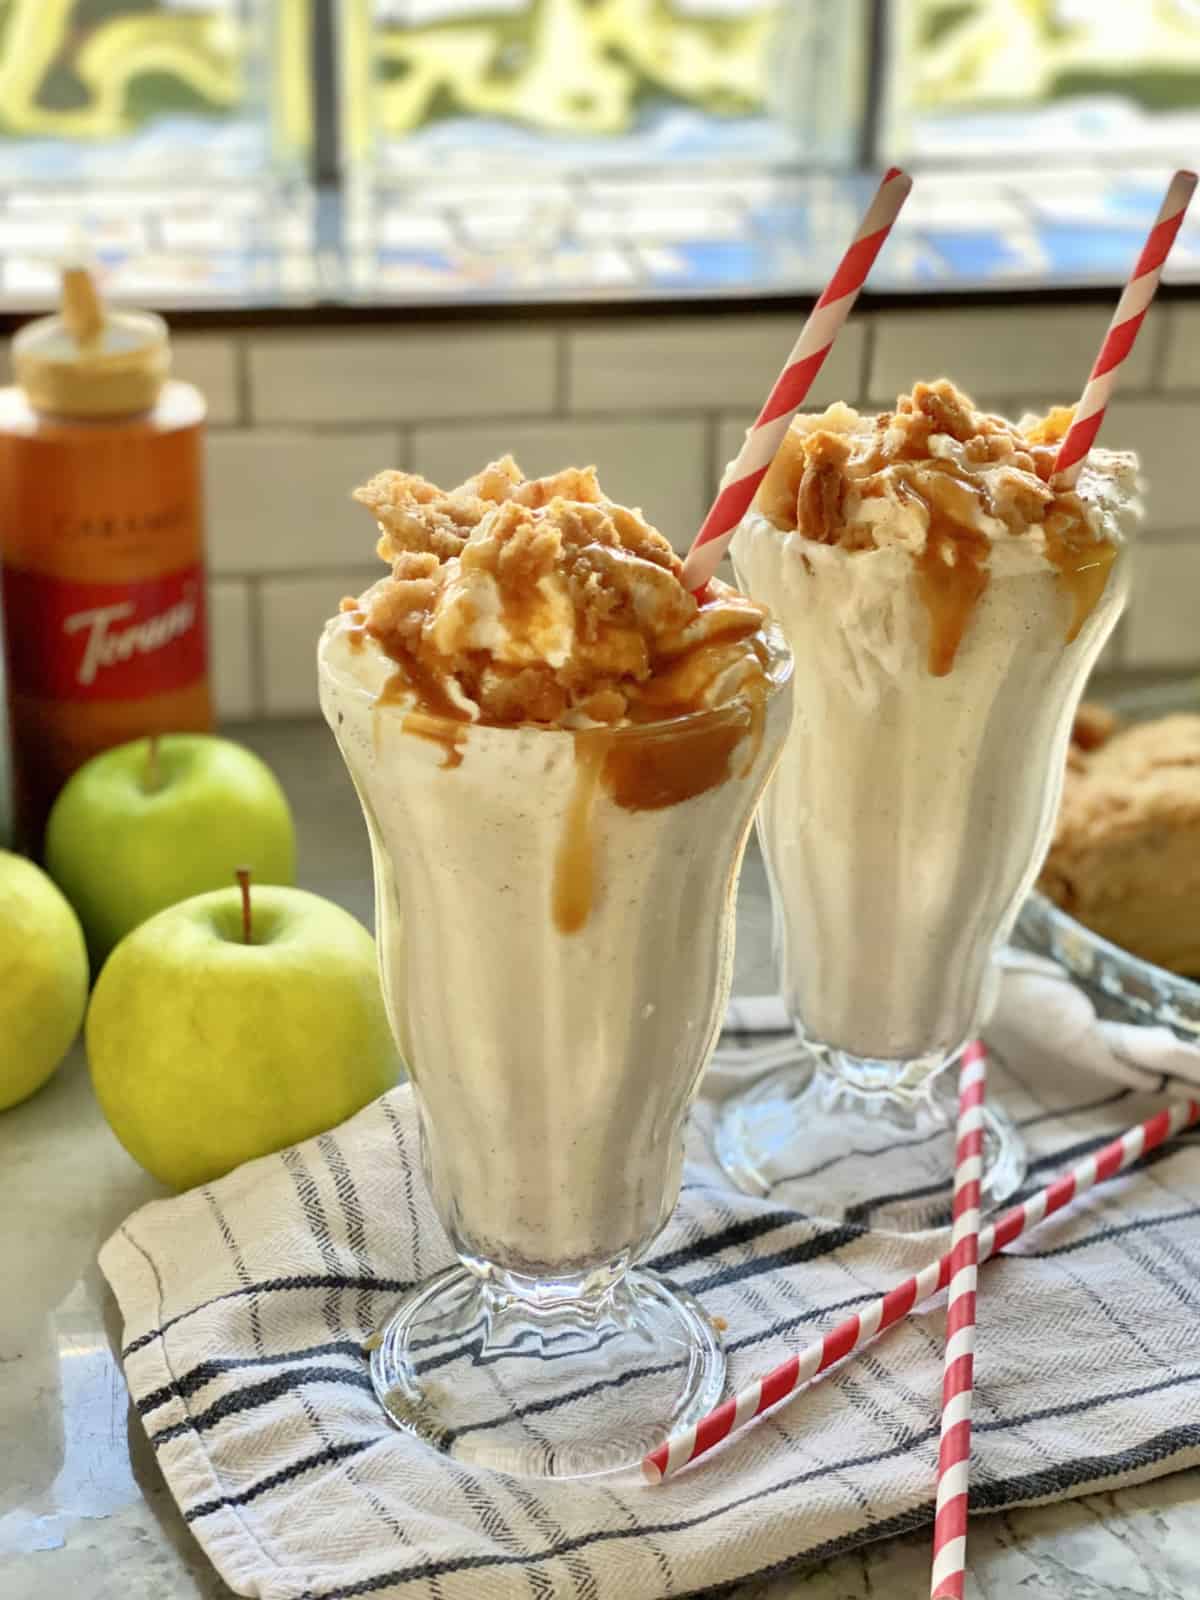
(1122, 986)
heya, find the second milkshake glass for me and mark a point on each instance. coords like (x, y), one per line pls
(905, 825)
(555, 924)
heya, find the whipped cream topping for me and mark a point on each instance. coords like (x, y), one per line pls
(516, 600)
(962, 492)
(868, 481)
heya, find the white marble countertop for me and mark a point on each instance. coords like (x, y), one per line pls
(83, 1509)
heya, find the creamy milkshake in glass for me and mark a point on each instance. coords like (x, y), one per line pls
(558, 753)
(945, 607)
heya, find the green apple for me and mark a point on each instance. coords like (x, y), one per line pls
(150, 823)
(206, 1051)
(45, 978)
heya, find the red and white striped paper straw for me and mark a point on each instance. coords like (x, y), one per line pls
(1122, 331)
(749, 467)
(859, 1329)
(958, 1362)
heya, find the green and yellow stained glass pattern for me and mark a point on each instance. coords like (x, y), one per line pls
(99, 70)
(956, 55)
(560, 66)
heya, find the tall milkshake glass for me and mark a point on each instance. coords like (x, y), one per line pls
(554, 910)
(945, 611)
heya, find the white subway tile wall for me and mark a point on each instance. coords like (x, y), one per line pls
(1163, 625)
(698, 364)
(1165, 434)
(659, 406)
(210, 361)
(1181, 365)
(292, 612)
(231, 640)
(402, 375)
(1008, 353)
(279, 499)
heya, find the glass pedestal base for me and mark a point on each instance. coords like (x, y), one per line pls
(565, 1379)
(850, 1146)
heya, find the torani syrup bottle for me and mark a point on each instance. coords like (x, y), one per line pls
(101, 536)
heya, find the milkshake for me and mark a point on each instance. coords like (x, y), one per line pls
(945, 605)
(558, 751)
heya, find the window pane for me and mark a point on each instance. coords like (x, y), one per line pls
(1062, 77)
(112, 88)
(578, 80)
(169, 133)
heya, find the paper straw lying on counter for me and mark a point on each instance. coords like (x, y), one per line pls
(749, 467)
(958, 1361)
(1122, 331)
(889, 1308)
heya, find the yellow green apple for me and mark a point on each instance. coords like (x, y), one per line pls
(149, 823)
(207, 1050)
(43, 978)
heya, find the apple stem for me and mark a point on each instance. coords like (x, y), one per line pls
(152, 778)
(242, 874)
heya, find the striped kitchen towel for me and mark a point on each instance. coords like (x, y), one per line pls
(246, 1304)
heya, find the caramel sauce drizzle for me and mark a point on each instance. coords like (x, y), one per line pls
(642, 771)
(666, 766)
(574, 883)
(452, 737)
(952, 574)
(441, 723)
(677, 753)
(394, 691)
(356, 632)
(1082, 564)
(414, 681)
(952, 570)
